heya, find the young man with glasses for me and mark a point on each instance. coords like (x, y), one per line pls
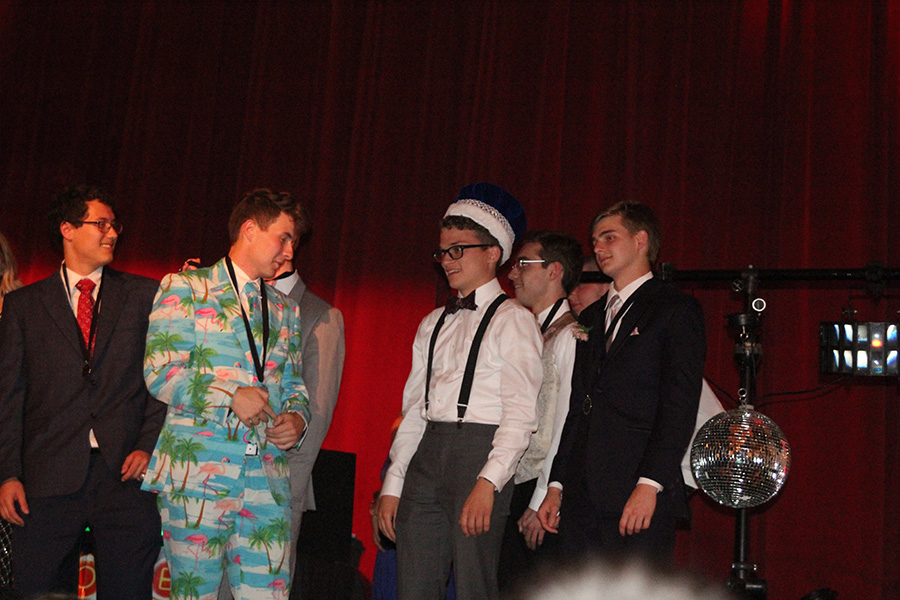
(77, 424)
(544, 271)
(469, 410)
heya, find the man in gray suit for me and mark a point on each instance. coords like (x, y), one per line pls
(322, 328)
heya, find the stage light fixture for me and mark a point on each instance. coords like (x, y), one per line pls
(851, 348)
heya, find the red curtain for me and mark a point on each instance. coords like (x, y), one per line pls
(762, 132)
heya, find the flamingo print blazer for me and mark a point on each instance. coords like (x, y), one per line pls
(197, 356)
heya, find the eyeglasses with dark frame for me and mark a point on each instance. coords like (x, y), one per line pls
(522, 262)
(103, 226)
(456, 251)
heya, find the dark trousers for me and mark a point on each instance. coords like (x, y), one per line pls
(125, 529)
(585, 531)
(430, 541)
(518, 562)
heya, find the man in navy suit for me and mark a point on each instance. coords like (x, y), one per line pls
(616, 480)
(77, 424)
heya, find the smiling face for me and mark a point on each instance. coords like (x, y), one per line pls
(620, 254)
(85, 247)
(474, 268)
(531, 281)
(265, 250)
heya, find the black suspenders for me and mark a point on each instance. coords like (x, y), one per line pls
(463, 403)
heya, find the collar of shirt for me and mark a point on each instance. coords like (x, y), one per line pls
(629, 289)
(563, 309)
(242, 280)
(484, 295)
(287, 284)
(74, 278)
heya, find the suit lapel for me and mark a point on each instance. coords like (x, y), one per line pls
(643, 299)
(276, 309)
(229, 306)
(112, 300)
(56, 301)
(594, 318)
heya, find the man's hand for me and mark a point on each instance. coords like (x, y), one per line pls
(548, 513)
(191, 264)
(530, 527)
(475, 518)
(135, 465)
(11, 492)
(387, 515)
(638, 510)
(373, 512)
(286, 430)
(251, 405)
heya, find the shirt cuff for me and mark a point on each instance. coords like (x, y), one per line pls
(648, 481)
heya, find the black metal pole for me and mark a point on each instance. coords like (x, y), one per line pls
(747, 354)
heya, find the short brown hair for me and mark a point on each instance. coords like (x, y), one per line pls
(264, 206)
(558, 247)
(70, 206)
(635, 217)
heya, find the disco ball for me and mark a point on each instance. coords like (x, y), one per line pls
(740, 458)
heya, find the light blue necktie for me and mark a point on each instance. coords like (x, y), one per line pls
(251, 293)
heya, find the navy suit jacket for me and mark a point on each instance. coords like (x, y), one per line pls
(643, 394)
(47, 405)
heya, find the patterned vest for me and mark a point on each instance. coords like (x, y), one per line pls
(533, 460)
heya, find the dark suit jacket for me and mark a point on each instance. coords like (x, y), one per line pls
(644, 394)
(47, 407)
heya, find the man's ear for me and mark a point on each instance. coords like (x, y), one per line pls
(65, 229)
(555, 269)
(494, 253)
(249, 229)
(642, 240)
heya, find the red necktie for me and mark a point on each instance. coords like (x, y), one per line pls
(85, 307)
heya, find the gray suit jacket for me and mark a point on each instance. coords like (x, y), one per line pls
(322, 328)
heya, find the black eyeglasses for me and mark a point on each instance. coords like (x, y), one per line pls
(520, 264)
(456, 251)
(103, 226)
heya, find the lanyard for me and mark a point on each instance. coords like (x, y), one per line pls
(550, 316)
(86, 348)
(258, 363)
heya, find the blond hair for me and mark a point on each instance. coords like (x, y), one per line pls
(9, 278)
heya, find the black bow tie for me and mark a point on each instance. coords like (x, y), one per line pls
(455, 303)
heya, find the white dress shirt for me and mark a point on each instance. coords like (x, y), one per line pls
(242, 279)
(74, 296)
(507, 379)
(74, 292)
(286, 284)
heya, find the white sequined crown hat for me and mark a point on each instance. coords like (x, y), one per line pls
(493, 208)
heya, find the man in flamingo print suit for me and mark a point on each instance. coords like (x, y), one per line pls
(223, 351)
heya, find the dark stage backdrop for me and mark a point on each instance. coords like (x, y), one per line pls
(763, 133)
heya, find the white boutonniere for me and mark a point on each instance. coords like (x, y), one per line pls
(581, 332)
